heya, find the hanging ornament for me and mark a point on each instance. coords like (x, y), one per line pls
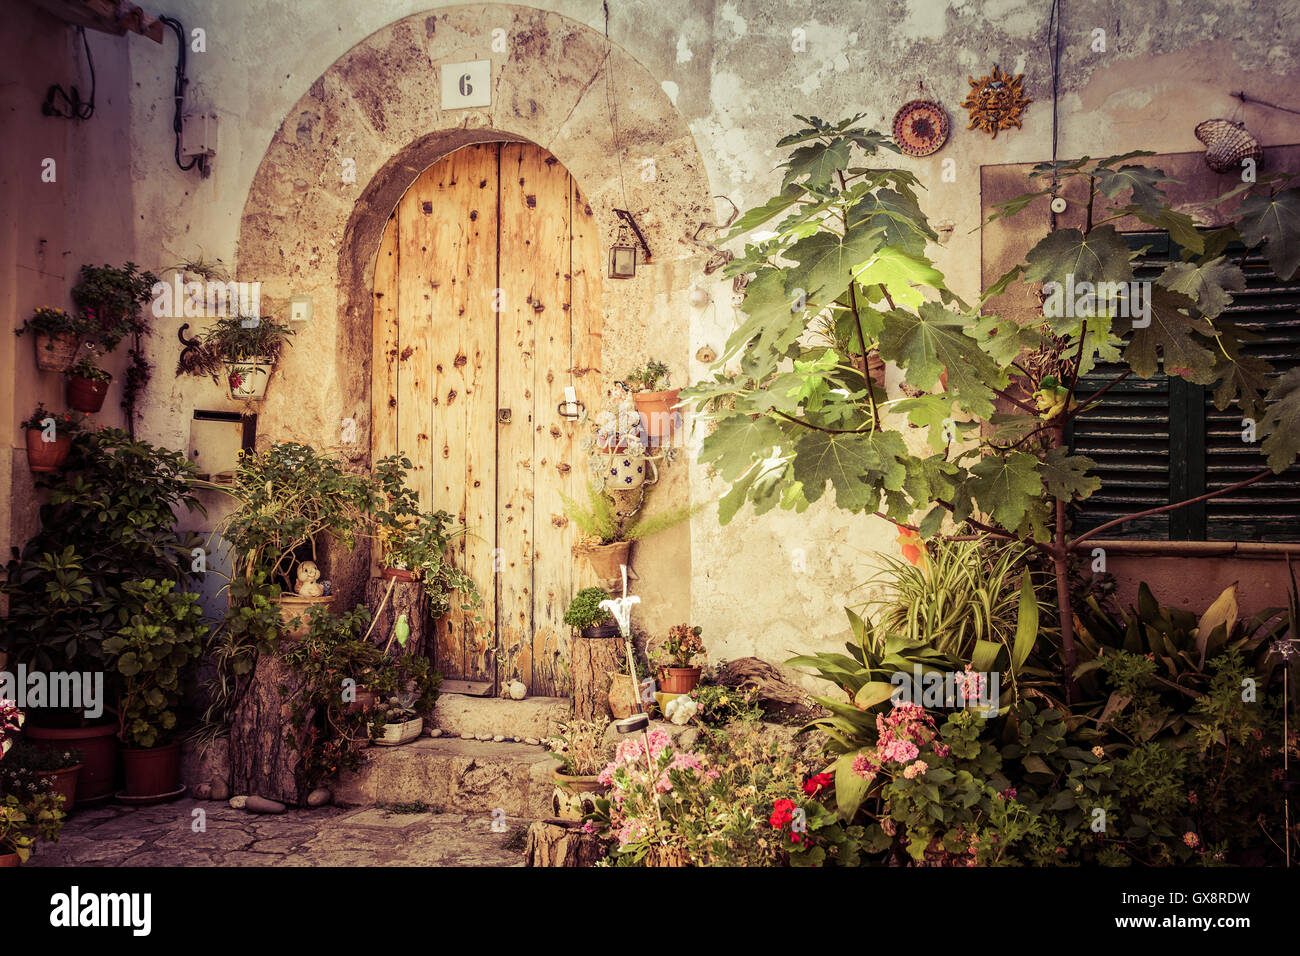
(1227, 144)
(996, 102)
(921, 127)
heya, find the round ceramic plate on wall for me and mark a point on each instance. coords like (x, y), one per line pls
(920, 127)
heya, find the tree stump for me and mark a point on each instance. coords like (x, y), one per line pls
(591, 665)
(407, 598)
(561, 843)
(262, 763)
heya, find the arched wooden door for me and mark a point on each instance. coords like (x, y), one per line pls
(487, 305)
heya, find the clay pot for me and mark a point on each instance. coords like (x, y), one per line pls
(86, 395)
(56, 353)
(397, 574)
(64, 782)
(624, 696)
(9, 859)
(606, 559)
(98, 747)
(658, 417)
(365, 701)
(46, 456)
(152, 771)
(678, 680)
(295, 606)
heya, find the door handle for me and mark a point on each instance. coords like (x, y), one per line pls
(503, 416)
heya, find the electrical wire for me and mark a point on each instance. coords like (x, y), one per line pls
(76, 107)
(178, 93)
(1054, 51)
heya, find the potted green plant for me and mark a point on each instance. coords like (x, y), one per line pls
(111, 298)
(24, 820)
(608, 535)
(654, 400)
(57, 334)
(244, 350)
(156, 654)
(87, 385)
(396, 720)
(54, 768)
(583, 751)
(48, 445)
(678, 674)
(288, 499)
(587, 616)
(110, 520)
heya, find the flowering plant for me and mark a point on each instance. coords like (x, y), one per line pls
(11, 721)
(87, 369)
(682, 646)
(48, 320)
(65, 423)
(619, 429)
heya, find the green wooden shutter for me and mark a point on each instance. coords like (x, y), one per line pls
(1162, 440)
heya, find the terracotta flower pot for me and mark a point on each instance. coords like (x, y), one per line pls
(152, 771)
(678, 680)
(45, 456)
(56, 353)
(397, 574)
(86, 395)
(295, 606)
(64, 782)
(98, 747)
(365, 701)
(606, 559)
(9, 859)
(658, 416)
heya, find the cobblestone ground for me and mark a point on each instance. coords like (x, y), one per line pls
(164, 835)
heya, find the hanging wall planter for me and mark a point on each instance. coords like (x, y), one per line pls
(606, 559)
(629, 472)
(658, 416)
(87, 386)
(46, 456)
(56, 353)
(246, 381)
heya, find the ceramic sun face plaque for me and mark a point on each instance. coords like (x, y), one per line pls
(996, 102)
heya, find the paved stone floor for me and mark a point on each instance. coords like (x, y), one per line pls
(165, 835)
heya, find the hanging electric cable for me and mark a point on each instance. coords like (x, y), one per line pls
(178, 94)
(76, 108)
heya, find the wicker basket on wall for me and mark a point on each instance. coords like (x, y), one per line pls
(1227, 144)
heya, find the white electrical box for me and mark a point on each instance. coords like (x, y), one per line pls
(198, 135)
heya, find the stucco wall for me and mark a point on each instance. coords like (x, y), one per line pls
(731, 74)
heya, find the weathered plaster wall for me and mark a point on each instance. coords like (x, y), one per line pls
(49, 229)
(730, 70)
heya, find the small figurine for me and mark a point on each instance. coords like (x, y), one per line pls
(402, 631)
(308, 575)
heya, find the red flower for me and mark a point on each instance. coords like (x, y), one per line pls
(782, 814)
(815, 785)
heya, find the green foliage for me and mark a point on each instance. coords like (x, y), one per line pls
(228, 340)
(156, 653)
(581, 747)
(596, 519)
(51, 321)
(845, 267)
(110, 298)
(585, 611)
(24, 820)
(110, 521)
(719, 705)
(650, 377)
(87, 369)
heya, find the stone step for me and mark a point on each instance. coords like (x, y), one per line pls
(536, 717)
(450, 774)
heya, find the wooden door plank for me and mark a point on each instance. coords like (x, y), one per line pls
(555, 441)
(384, 349)
(587, 322)
(476, 360)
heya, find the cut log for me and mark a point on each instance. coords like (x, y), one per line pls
(262, 762)
(779, 699)
(407, 598)
(561, 843)
(591, 665)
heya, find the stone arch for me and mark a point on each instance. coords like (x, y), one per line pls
(371, 123)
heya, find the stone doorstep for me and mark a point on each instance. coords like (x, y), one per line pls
(450, 774)
(538, 717)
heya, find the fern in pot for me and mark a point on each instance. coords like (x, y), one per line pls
(244, 351)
